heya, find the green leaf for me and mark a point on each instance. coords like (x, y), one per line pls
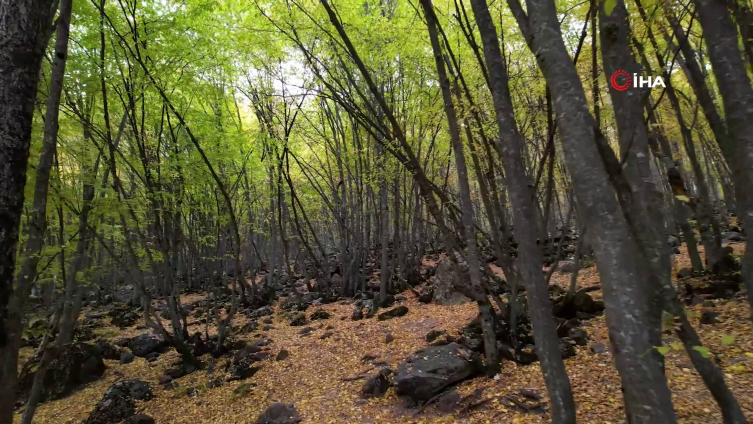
(676, 345)
(683, 198)
(664, 350)
(702, 350)
(728, 340)
(609, 6)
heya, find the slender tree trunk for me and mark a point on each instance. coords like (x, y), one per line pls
(737, 95)
(590, 166)
(510, 147)
(469, 229)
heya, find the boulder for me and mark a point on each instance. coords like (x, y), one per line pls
(73, 365)
(709, 317)
(377, 385)
(684, 273)
(123, 316)
(126, 358)
(426, 295)
(320, 314)
(433, 335)
(144, 344)
(732, 236)
(261, 312)
(279, 413)
(249, 327)
(245, 352)
(389, 338)
(108, 350)
(140, 418)
(393, 313)
(566, 266)
(282, 355)
(299, 320)
(119, 402)
(428, 371)
(444, 285)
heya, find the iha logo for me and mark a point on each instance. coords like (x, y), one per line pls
(621, 81)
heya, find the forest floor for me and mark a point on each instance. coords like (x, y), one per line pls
(312, 376)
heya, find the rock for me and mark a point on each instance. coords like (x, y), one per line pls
(126, 358)
(393, 313)
(279, 413)
(282, 355)
(299, 320)
(426, 295)
(597, 348)
(75, 364)
(673, 241)
(249, 327)
(119, 402)
(709, 317)
(217, 382)
(567, 348)
(377, 385)
(444, 285)
(152, 356)
(174, 372)
(578, 335)
(447, 403)
(164, 379)
(108, 350)
(388, 301)
(732, 236)
(263, 311)
(320, 314)
(428, 371)
(433, 335)
(566, 266)
(357, 313)
(262, 356)
(388, 338)
(124, 342)
(267, 328)
(243, 370)
(268, 320)
(697, 300)
(326, 335)
(243, 389)
(145, 344)
(684, 273)
(246, 351)
(676, 250)
(305, 331)
(140, 418)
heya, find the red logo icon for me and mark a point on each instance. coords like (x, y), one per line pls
(615, 80)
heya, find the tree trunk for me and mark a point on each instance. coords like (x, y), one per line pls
(510, 147)
(737, 95)
(25, 28)
(623, 276)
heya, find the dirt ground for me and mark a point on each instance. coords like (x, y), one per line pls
(312, 377)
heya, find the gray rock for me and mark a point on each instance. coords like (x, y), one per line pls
(126, 358)
(279, 413)
(428, 371)
(444, 285)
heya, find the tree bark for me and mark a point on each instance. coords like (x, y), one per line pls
(25, 28)
(737, 95)
(623, 275)
(509, 146)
